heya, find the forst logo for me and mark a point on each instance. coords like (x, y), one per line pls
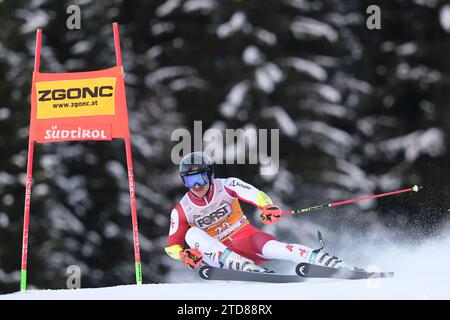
(76, 93)
(213, 217)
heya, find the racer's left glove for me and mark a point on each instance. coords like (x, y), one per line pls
(270, 214)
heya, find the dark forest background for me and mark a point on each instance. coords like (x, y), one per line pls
(359, 111)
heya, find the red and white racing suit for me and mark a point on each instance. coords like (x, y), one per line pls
(216, 222)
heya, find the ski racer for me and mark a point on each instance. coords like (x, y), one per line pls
(210, 220)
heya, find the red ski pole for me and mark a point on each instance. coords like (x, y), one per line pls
(26, 214)
(134, 221)
(414, 188)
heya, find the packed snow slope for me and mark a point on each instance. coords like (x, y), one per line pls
(397, 288)
(421, 272)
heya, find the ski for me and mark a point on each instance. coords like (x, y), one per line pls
(304, 270)
(308, 270)
(213, 273)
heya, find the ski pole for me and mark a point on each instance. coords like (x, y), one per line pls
(414, 188)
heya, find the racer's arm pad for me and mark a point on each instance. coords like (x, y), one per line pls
(174, 251)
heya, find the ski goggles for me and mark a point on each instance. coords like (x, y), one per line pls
(199, 178)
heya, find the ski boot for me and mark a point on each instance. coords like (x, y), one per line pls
(324, 259)
(231, 260)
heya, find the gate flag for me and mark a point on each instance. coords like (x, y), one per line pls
(79, 106)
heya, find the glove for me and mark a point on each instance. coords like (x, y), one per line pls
(191, 258)
(270, 214)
